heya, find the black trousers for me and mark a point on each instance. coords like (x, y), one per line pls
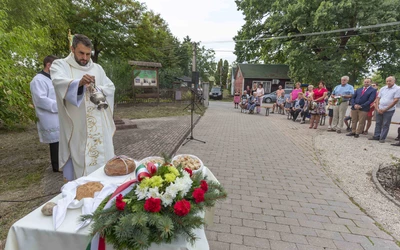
(54, 156)
(295, 113)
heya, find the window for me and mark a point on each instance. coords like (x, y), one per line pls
(266, 85)
(289, 85)
(275, 81)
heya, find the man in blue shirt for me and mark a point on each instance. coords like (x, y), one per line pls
(342, 94)
(360, 105)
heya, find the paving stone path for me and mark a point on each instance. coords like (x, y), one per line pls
(279, 195)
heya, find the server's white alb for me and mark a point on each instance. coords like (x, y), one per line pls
(44, 99)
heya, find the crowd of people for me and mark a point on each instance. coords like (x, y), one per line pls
(317, 103)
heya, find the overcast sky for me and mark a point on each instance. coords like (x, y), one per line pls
(205, 21)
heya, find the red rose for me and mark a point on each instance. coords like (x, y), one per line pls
(119, 203)
(182, 207)
(189, 171)
(152, 205)
(198, 195)
(204, 185)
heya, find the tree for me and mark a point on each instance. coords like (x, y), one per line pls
(225, 72)
(25, 39)
(112, 25)
(219, 73)
(327, 56)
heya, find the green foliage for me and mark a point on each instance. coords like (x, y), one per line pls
(25, 39)
(120, 31)
(121, 74)
(219, 72)
(328, 56)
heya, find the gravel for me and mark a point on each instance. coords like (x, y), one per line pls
(350, 161)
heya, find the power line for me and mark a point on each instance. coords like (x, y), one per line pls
(326, 38)
(309, 34)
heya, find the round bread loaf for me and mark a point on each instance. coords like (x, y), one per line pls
(88, 189)
(120, 165)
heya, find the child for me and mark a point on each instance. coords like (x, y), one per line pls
(236, 99)
(288, 104)
(347, 121)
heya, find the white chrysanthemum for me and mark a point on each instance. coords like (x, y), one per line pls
(166, 199)
(153, 192)
(185, 183)
(141, 192)
(172, 190)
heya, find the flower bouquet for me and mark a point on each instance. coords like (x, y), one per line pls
(338, 100)
(162, 203)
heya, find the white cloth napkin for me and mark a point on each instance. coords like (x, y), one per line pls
(88, 205)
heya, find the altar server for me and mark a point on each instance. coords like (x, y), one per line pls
(44, 100)
(86, 130)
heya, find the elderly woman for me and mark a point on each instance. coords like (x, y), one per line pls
(298, 106)
(318, 98)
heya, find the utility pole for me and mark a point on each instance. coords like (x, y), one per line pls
(194, 57)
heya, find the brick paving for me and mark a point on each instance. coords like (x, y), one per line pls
(151, 137)
(279, 196)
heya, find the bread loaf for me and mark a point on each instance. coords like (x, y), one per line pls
(120, 165)
(88, 189)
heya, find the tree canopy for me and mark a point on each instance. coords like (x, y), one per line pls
(277, 32)
(120, 30)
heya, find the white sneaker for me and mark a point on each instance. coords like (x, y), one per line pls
(329, 127)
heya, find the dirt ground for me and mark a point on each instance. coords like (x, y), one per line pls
(25, 163)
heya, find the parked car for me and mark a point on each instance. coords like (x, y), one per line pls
(271, 97)
(216, 93)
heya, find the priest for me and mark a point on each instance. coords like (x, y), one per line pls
(86, 130)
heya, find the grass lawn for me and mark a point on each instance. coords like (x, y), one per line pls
(146, 111)
(24, 160)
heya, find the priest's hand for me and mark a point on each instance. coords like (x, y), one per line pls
(86, 80)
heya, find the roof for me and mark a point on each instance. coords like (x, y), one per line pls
(276, 71)
(145, 64)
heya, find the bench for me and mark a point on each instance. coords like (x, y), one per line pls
(267, 109)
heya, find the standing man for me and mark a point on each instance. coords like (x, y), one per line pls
(345, 91)
(86, 132)
(385, 106)
(360, 105)
(44, 99)
(280, 93)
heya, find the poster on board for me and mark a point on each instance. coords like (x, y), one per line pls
(145, 77)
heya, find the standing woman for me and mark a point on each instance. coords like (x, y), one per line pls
(318, 97)
(295, 92)
(260, 94)
(254, 89)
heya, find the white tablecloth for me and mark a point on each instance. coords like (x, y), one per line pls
(35, 231)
